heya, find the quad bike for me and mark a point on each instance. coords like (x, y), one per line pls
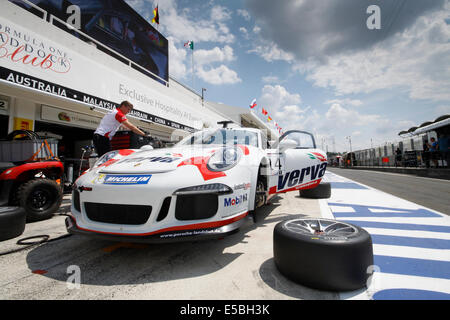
(33, 184)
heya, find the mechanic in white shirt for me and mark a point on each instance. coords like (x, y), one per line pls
(109, 126)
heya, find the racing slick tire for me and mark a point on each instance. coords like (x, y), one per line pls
(322, 253)
(12, 222)
(322, 191)
(40, 198)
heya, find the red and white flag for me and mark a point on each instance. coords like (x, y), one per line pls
(253, 104)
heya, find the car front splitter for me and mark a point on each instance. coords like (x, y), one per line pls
(163, 237)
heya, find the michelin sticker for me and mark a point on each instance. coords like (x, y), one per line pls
(127, 179)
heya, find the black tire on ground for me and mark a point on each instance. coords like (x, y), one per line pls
(12, 222)
(40, 198)
(322, 191)
(322, 253)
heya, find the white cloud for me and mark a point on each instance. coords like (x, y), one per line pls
(205, 61)
(219, 75)
(284, 107)
(276, 97)
(338, 121)
(216, 54)
(406, 124)
(244, 33)
(189, 24)
(441, 110)
(256, 29)
(341, 117)
(269, 51)
(346, 101)
(219, 13)
(270, 79)
(176, 58)
(416, 61)
(181, 25)
(244, 13)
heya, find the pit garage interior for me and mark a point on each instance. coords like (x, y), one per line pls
(69, 124)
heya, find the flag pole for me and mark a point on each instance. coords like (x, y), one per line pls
(192, 55)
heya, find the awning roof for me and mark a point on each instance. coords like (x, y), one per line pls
(433, 126)
(427, 126)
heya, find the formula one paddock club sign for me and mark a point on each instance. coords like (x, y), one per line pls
(29, 59)
(27, 81)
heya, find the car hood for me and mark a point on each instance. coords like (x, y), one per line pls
(159, 160)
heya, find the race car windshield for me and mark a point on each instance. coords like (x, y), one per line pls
(223, 137)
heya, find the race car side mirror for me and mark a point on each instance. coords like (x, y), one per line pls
(287, 144)
(146, 147)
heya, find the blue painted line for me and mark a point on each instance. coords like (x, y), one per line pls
(410, 294)
(400, 226)
(346, 185)
(364, 211)
(413, 267)
(428, 243)
(382, 214)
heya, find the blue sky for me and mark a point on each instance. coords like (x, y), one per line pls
(314, 64)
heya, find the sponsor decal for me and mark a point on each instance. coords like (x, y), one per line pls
(296, 177)
(63, 116)
(318, 156)
(55, 89)
(235, 201)
(150, 159)
(190, 233)
(127, 179)
(244, 186)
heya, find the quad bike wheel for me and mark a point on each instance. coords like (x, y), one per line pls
(40, 198)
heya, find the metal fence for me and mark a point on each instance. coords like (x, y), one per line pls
(415, 159)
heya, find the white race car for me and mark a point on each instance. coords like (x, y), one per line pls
(202, 187)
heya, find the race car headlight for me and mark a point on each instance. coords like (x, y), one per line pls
(224, 159)
(213, 188)
(105, 157)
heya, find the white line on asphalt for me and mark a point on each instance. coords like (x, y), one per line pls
(386, 281)
(325, 210)
(437, 221)
(409, 233)
(411, 252)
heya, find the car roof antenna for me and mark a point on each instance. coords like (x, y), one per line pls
(225, 123)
